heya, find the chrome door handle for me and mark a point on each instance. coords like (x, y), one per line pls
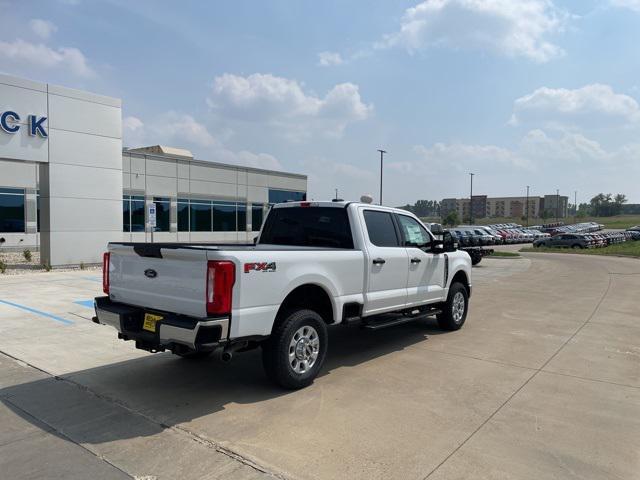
(379, 261)
(415, 260)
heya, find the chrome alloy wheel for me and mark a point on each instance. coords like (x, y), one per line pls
(457, 307)
(303, 349)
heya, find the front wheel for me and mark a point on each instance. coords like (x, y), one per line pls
(576, 246)
(455, 309)
(295, 352)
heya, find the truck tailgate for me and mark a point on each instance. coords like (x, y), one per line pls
(176, 282)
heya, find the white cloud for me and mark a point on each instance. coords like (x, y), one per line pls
(42, 28)
(512, 28)
(329, 59)
(631, 4)
(282, 104)
(568, 147)
(463, 158)
(184, 131)
(39, 55)
(132, 124)
(591, 104)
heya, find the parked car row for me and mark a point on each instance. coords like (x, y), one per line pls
(586, 240)
(487, 235)
(634, 229)
(584, 227)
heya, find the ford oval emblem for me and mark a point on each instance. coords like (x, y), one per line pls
(150, 273)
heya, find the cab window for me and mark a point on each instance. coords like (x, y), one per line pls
(381, 230)
(415, 235)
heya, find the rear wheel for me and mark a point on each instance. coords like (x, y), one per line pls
(295, 352)
(455, 309)
(576, 246)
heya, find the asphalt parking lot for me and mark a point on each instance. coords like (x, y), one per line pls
(542, 382)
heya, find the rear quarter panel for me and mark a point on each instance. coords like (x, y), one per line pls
(258, 294)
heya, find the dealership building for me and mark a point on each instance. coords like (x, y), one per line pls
(67, 186)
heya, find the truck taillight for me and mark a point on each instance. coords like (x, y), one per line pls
(105, 272)
(221, 275)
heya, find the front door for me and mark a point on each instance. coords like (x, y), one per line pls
(425, 282)
(387, 261)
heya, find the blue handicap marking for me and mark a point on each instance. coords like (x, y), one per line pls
(85, 303)
(38, 312)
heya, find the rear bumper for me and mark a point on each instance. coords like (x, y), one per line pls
(173, 330)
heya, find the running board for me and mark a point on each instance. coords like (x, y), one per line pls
(377, 325)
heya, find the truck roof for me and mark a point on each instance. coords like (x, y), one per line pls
(339, 204)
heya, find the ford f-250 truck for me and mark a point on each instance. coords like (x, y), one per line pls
(314, 264)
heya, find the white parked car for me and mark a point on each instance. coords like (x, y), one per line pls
(314, 264)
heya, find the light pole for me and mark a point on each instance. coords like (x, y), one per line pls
(471, 200)
(575, 205)
(336, 194)
(382, 152)
(557, 205)
(527, 205)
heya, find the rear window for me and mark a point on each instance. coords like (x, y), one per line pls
(382, 232)
(308, 227)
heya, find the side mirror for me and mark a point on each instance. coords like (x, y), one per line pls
(449, 244)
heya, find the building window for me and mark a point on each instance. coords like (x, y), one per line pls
(241, 208)
(281, 196)
(12, 203)
(132, 213)
(163, 207)
(224, 216)
(200, 211)
(257, 212)
(183, 215)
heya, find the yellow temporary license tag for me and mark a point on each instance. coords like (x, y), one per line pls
(150, 321)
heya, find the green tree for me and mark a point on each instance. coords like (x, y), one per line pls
(451, 219)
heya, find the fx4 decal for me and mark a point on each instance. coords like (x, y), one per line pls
(260, 267)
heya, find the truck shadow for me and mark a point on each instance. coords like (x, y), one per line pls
(143, 396)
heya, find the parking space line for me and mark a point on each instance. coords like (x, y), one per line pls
(38, 312)
(85, 303)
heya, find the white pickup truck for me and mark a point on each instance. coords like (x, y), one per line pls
(314, 264)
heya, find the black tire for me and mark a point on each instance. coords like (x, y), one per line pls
(576, 246)
(448, 320)
(277, 349)
(194, 355)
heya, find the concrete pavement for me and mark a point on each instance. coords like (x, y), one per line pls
(542, 382)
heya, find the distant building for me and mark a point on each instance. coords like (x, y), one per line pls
(548, 206)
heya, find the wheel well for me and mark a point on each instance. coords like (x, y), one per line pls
(461, 277)
(311, 297)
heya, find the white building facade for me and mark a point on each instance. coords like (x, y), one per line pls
(68, 188)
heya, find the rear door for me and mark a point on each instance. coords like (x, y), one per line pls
(425, 282)
(387, 261)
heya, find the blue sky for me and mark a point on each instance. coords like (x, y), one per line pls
(530, 92)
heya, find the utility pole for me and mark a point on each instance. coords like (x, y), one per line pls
(382, 152)
(557, 205)
(575, 204)
(471, 200)
(527, 205)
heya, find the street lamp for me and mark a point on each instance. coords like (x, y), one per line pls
(575, 206)
(382, 152)
(471, 200)
(557, 205)
(527, 205)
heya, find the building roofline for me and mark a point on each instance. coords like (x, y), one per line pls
(212, 163)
